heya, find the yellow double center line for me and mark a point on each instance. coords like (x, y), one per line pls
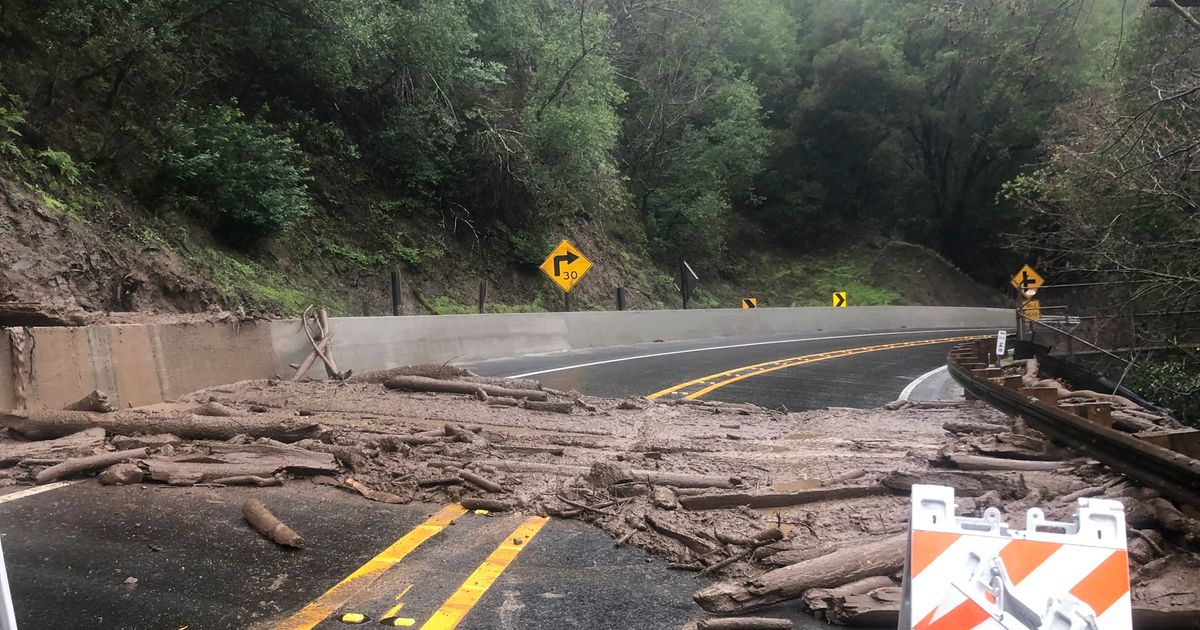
(696, 388)
(454, 609)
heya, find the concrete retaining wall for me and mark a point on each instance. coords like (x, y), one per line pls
(145, 364)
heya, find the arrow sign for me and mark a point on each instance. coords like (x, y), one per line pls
(566, 266)
(568, 258)
(839, 299)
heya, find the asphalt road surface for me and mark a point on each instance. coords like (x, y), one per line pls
(132, 557)
(863, 369)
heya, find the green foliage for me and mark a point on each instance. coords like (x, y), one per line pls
(62, 164)
(12, 115)
(1173, 384)
(247, 175)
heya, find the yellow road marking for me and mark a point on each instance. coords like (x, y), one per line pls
(688, 391)
(327, 604)
(396, 609)
(455, 608)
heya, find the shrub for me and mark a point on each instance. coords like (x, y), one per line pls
(247, 177)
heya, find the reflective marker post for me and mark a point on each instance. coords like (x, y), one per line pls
(620, 298)
(8, 618)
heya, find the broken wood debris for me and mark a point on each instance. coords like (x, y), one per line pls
(744, 623)
(269, 525)
(850, 563)
(481, 390)
(78, 465)
(40, 425)
(773, 500)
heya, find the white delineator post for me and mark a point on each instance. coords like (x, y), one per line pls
(8, 618)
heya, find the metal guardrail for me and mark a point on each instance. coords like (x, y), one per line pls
(1171, 473)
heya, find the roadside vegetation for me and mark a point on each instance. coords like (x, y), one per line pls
(298, 150)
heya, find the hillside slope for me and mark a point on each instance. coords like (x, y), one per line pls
(130, 260)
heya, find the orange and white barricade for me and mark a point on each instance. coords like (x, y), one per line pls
(963, 573)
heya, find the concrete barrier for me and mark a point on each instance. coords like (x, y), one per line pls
(144, 364)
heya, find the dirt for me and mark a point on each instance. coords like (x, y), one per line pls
(67, 266)
(594, 457)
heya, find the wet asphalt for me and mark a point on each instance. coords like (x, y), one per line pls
(195, 564)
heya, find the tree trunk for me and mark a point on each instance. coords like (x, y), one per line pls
(41, 425)
(61, 448)
(426, 384)
(882, 557)
(759, 501)
(84, 464)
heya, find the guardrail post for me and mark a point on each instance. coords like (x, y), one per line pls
(620, 298)
(397, 303)
(482, 294)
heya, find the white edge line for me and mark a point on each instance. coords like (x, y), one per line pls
(28, 492)
(917, 381)
(739, 345)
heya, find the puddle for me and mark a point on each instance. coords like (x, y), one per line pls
(796, 485)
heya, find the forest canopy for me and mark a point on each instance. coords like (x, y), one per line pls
(688, 126)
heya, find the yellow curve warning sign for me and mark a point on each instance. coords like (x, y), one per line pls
(566, 266)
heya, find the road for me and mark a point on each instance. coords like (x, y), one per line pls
(196, 567)
(871, 371)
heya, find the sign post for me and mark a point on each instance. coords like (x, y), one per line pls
(566, 266)
(687, 282)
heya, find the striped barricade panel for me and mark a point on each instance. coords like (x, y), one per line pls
(964, 573)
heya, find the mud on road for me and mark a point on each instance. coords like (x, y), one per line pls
(673, 479)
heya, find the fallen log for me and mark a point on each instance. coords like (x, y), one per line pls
(975, 428)
(351, 457)
(880, 607)
(157, 440)
(82, 442)
(481, 482)
(965, 484)
(298, 461)
(773, 500)
(744, 623)
(655, 477)
(491, 505)
(552, 450)
(248, 480)
(979, 462)
(83, 464)
(192, 473)
(850, 475)
(121, 474)
(214, 408)
(425, 384)
(269, 525)
(96, 401)
(764, 537)
(507, 383)
(1174, 520)
(697, 545)
(373, 494)
(503, 402)
(819, 601)
(551, 407)
(433, 482)
(1130, 423)
(882, 557)
(41, 425)
(307, 364)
